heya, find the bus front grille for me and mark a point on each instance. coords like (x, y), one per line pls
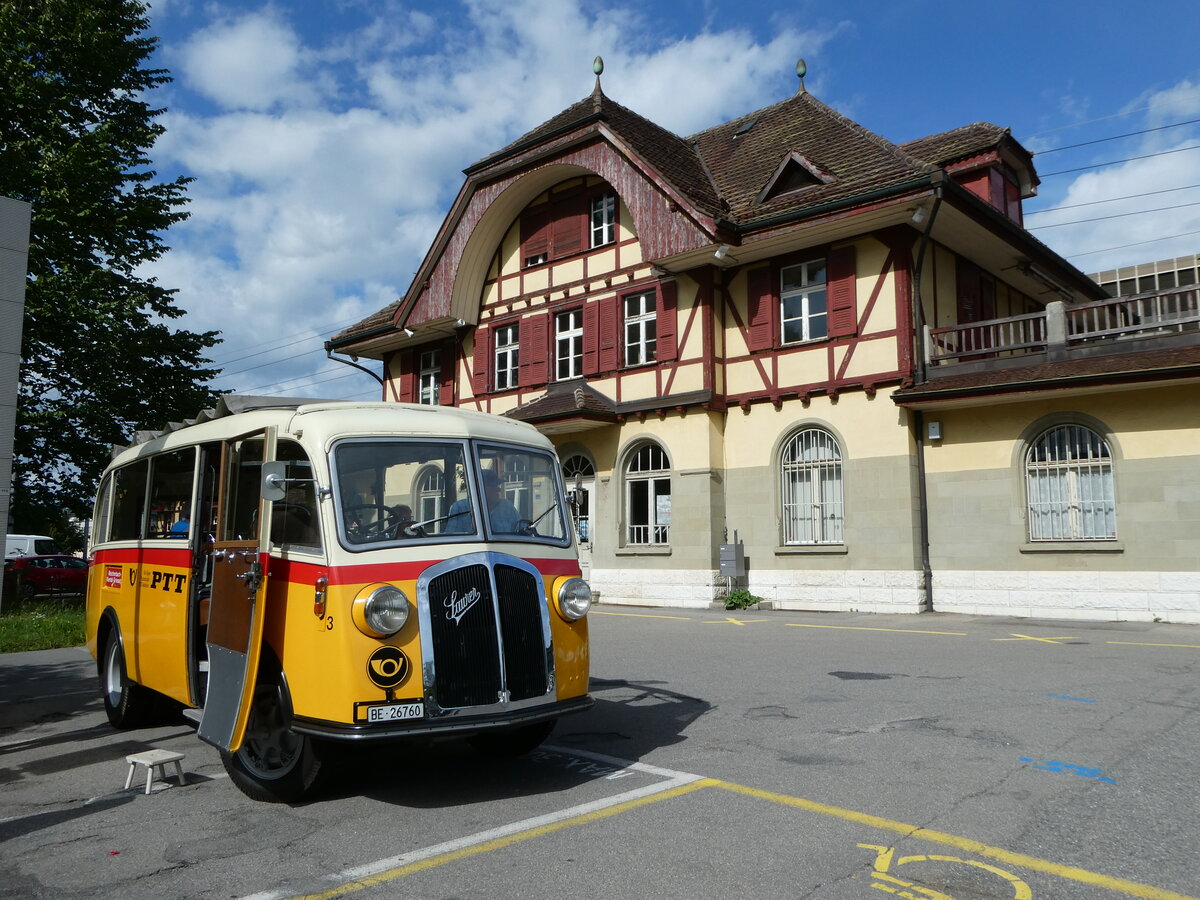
(471, 669)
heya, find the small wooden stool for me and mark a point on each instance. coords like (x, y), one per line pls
(153, 759)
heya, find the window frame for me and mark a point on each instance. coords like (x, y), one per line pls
(1055, 487)
(651, 533)
(570, 340)
(805, 292)
(506, 371)
(824, 476)
(646, 319)
(602, 231)
(429, 377)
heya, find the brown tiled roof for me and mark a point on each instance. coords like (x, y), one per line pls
(380, 319)
(663, 149)
(574, 399)
(1143, 365)
(957, 143)
(742, 155)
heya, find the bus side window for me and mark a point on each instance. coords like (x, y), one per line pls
(129, 501)
(171, 494)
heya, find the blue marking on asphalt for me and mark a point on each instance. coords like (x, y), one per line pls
(1070, 768)
(1065, 697)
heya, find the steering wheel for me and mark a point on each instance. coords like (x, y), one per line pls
(384, 525)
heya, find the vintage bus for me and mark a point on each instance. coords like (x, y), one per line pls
(298, 575)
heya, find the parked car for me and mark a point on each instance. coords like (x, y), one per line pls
(28, 576)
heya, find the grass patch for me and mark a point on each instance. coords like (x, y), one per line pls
(45, 623)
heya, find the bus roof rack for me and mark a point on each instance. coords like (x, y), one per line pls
(228, 405)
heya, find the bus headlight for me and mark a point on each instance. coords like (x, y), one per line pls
(574, 599)
(380, 610)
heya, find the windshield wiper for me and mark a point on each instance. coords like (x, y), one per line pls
(413, 529)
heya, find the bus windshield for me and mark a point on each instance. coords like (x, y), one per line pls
(396, 491)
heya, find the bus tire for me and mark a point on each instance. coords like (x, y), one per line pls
(274, 763)
(126, 703)
(507, 742)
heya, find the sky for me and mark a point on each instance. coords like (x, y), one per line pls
(327, 138)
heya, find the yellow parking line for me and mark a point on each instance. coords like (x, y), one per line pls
(1130, 888)
(596, 612)
(867, 628)
(1140, 644)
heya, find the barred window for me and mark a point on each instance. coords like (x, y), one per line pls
(811, 489)
(1069, 482)
(648, 496)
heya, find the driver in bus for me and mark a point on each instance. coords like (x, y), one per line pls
(502, 515)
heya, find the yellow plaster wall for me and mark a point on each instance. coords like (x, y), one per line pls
(1144, 424)
(871, 256)
(865, 428)
(871, 357)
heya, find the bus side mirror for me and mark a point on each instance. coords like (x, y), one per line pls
(273, 480)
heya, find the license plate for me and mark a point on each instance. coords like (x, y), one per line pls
(390, 712)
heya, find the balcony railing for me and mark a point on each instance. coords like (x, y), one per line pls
(1148, 315)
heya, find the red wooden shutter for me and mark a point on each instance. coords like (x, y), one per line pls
(567, 230)
(408, 381)
(534, 359)
(449, 361)
(969, 299)
(843, 292)
(591, 338)
(610, 332)
(664, 322)
(762, 300)
(481, 363)
(535, 232)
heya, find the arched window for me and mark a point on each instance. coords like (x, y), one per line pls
(648, 496)
(811, 489)
(430, 491)
(1069, 482)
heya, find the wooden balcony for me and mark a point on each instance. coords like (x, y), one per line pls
(1119, 325)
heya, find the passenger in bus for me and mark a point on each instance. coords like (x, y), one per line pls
(180, 528)
(401, 518)
(502, 515)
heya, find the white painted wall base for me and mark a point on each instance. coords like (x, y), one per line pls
(1106, 596)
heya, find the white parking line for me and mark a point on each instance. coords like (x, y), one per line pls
(673, 780)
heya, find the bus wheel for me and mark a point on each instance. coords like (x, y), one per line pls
(127, 704)
(512, 741)
(274, 763)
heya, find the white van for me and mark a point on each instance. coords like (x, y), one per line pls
(29, 545)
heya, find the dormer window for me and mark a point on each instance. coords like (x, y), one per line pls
(795, 173)
(604, 220)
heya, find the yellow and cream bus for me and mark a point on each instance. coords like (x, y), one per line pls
(305, 574)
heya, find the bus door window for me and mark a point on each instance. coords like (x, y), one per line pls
(294, 522)
(171, 476)
(239, 513)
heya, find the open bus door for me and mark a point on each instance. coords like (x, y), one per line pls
(240, 558)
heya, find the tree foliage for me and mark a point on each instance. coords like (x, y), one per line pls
(99, 356)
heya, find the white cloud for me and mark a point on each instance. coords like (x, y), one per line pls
(251, 62)
(313, 205)
(1141, 228)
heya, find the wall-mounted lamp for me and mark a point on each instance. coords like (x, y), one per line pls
(918, 215)
(722, 251)
(408, 332)
(459, 323)
(933, 430)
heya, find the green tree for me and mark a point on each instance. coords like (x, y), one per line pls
(99, 356)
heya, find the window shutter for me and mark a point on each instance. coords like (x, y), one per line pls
(610, 330)
(533, 365)
(967, 284)
(664, 322)
(535, 232)
(591, 338)
(408, 381)
(843, 292)
(481, 363)
(570, 221)
(762, 300)
(449, 360)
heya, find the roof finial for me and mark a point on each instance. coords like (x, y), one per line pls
(598, 68)
(801, 71)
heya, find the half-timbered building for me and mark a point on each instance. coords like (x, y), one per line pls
(789, 333)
